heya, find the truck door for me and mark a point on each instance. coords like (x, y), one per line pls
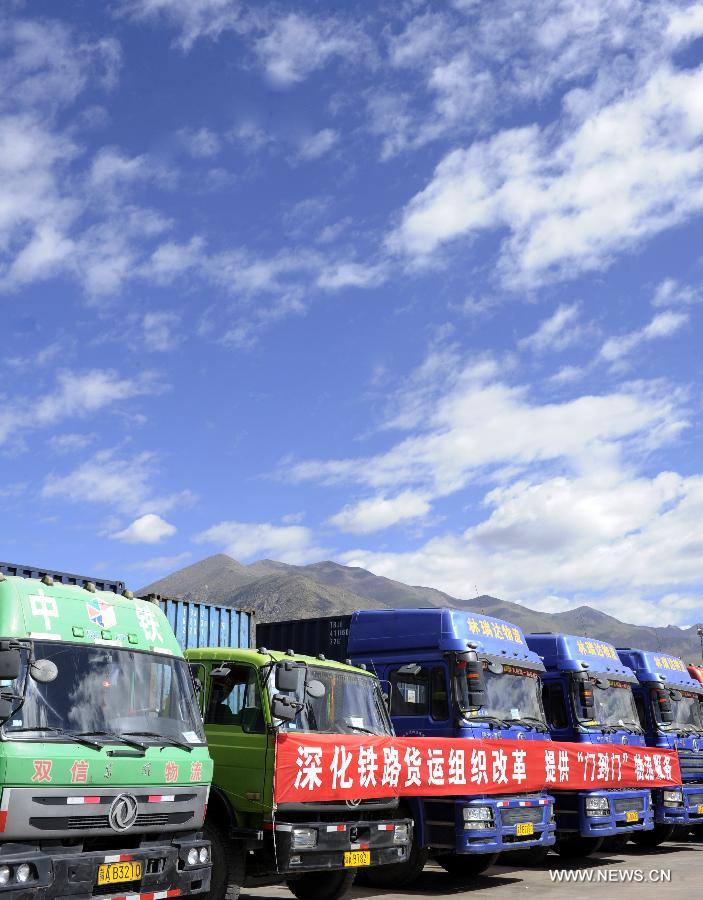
(420, 700)
(236, 733)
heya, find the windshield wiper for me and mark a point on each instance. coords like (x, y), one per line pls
(162, 737)
(115, 737)
(76, 736)
(530, 722)
(358, 728)
(492, 720)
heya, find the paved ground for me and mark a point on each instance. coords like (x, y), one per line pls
(684, 860)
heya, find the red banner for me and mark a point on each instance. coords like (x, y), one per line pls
(344, 767)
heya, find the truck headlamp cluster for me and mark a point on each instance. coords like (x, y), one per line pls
(304, 838)
(198, 856)
(597, 806)
(21, 874)
(673, 798)
(477, 816)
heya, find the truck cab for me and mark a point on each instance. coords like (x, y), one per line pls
(669, 707)
(104, 769)
(588, 699)
(453, 674)
(247, 697)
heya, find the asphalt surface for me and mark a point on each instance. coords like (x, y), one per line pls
(683, 859)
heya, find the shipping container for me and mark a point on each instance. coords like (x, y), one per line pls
(328, 635)
(198, 624)
(11, 569)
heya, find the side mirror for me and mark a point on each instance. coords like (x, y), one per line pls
(315, 689)
(588, 704)
(663, 702)
(283, 708)
(289, 676)
(10, 664)
(473, 669)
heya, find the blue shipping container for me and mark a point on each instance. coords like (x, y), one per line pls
(198, 624)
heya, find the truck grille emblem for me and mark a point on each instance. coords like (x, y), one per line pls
(352, 804)
(123, 812)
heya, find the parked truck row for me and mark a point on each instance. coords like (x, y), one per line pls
(109, 703)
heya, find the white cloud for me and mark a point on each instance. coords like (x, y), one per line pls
(121, 483)
(250, 540)
(161, 563)
(297, 45)
(201, 143)
(193, 18)
(686, 24)
(160, 331)
(663, 325)
(570, 199)
(377, 513)
(351, 274)
(557, 332)
(670, 292)
(318, 144)
(77, 394)
(147, 529)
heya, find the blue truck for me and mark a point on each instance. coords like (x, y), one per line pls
(588, 698)
(448, 674)
(668, 703)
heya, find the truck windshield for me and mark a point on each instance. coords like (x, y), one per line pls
(687, 712)
(106, 689)
(614, 705)
(512, 694)
(352, 704)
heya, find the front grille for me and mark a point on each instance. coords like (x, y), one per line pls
(625, 804)
(691, 764)
(696, 799)
(93, 823)
(517, 814)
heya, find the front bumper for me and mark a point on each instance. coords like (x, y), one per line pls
(572, 819)
(690, 813)
(335, 839)
(505, 831)
(66, 873)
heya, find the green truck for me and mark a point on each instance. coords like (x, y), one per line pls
(104, 768)
(314, 847)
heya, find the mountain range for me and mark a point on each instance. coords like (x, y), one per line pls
(276, 590)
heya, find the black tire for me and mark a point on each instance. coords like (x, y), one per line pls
(648, 840)
(524, 859)
(466, 865)
(228, 865)
(396, 875)
(577, 847)
(325, 885)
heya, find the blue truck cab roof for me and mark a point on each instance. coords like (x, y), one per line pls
(573, 653)
(650, 666)
(377, 632)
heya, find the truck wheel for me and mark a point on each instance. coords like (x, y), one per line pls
(323, 885)
(397, 875)
(577, 847)
(467, 865)
(523, 859)
(648, 840)
(227, 865)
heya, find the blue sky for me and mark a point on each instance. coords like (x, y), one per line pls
(410, 286)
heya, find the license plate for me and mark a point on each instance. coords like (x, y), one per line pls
(523, 828)
(700, 809)
(124, 871)
(632, 816)
(356, 858)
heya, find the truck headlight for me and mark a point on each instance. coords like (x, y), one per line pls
(5, 873)
(597, 806)
(23, 873)
(400, 834)
(204, 855)
(193, 856)
(477, 816)
(673, 798)
(304, 838)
